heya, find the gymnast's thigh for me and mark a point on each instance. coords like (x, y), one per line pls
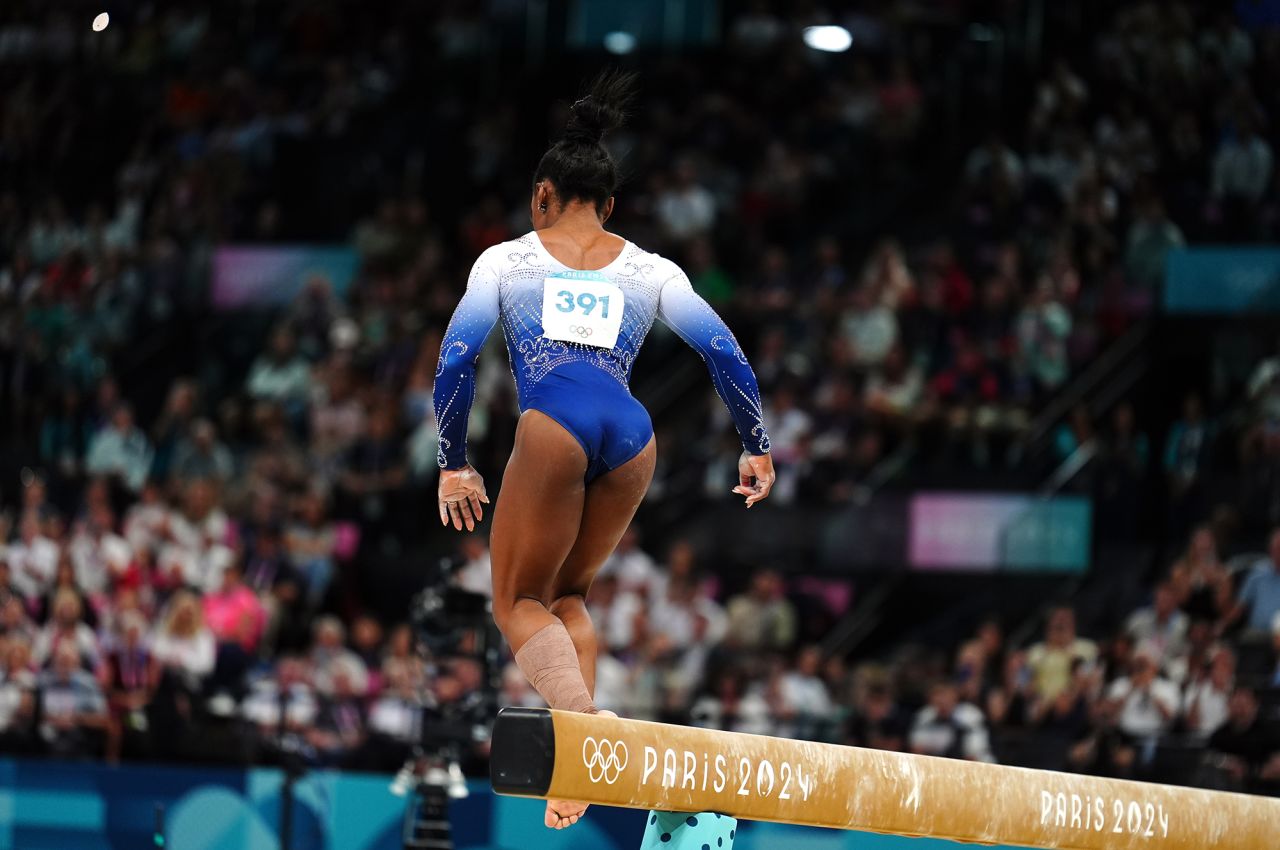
(539, 510)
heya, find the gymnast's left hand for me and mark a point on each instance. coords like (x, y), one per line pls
(461, 496)
(755, 477)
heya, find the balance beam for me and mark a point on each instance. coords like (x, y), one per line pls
(641, 765)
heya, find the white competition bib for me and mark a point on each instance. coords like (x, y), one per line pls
(582, 307)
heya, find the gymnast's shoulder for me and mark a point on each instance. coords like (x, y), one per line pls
(657, 267)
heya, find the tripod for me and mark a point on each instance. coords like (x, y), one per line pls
(430, 782)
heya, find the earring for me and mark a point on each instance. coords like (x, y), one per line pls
(542, 207)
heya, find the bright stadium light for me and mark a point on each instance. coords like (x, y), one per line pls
(620, 43)
(831, 39)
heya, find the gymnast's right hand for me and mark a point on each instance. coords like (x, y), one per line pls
(461, 496)
(755, 477)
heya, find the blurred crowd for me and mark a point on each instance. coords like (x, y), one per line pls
(187, 566)
(1148, 128)
(1186, 688)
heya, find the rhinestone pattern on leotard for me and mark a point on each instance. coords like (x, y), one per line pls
(506, 285)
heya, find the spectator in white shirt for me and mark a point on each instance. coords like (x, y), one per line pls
(17, 700)
(870, 327)
(681, 564)
(805, 695)
(147, 520)
(33, 560)
(329, 654)
(789, 425)
(516, 690)
(1205, 703)
(686, 613)
(1148, 704)
(684, 208)
(121, 450)
(950, 728)
(184, 646)
(15, 625)
(1264, 390)
(198, 535)
(280, 374)
(675, 616)
(262, 706)
(99, 554)
(1242, 166)
(895, 389)
(397, 713)
(1160, 626)
(632, 566)
(402, 658)
(8, 590)
(202, 522)
(724, 705)
(476, 573)
(66, 628)
(613, 684)
(616, 612)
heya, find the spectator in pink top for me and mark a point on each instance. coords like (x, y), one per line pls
(233, 612)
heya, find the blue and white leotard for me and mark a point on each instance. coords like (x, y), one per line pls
(582, 386)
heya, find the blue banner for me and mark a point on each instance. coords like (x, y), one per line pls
(1222, 280)
(273, 275)
(986, 532)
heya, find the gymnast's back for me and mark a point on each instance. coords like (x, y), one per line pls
(559, 320)
(552, 315)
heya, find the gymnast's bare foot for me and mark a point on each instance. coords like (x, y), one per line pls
(563, 813)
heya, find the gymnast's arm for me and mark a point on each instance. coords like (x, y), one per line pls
(461, 489)
(686, 313)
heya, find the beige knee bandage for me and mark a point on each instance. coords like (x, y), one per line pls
(550, 663)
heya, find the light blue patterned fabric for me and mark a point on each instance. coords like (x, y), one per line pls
(685, 831)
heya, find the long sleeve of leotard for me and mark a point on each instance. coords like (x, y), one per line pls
(686, 313)
(455, 387)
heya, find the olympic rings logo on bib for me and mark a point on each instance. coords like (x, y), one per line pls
(583, 308)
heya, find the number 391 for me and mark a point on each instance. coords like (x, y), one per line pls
(586, 301)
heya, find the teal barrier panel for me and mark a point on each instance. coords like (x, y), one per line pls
(1007, 532)
(1222, 281)
(266, 275)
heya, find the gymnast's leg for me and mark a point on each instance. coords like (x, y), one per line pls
(535, 526)
(611, 503)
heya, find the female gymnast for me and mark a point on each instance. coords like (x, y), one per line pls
(575, 303)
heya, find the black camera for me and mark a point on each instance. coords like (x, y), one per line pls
(454, 629)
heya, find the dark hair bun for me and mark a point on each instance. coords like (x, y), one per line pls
(578, 166)
(601, 110)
